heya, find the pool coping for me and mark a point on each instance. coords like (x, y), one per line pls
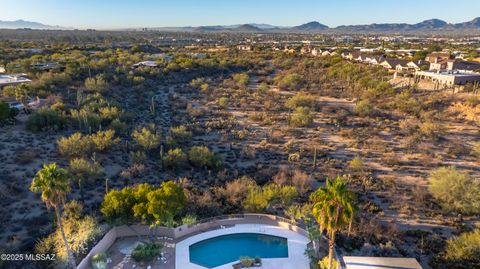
(296, 242)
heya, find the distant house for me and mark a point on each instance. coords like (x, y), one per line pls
(418, 65)
(198, 55)
(316, 52)
(463, 65)
(376, 60)
(244, 47)
(391, 63)
(438, 60)
(2, 69)
(353, 262)
(145, 64)
(435, 57)
(162, 56)
(46, 66)
(12, 79)
(449, 78)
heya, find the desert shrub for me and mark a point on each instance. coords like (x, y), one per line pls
(6, 113)
(476, 150)
(325, 264)
(357, 164)
(75, 145)
(189, 219)
(147, 138)
(431, 129)
(364, 108)
(223, 102)
(175, 158)
(288, 81)
(463, 251)
(146, 252)
(81, 232)
(235, 191)
(299, 100)
(254, 200)
(180, 133)
(241, 79)
(455, 190)
(104, 140)
(81, 168)
(407, 103)
(301, 117)
(258, 199)
(201, 156)
(138, 157)
(46, 119)
(96, 84)
(301, 181)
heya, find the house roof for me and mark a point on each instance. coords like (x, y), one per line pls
(394, 62)
(354, 262)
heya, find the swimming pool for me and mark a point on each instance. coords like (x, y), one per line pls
(225, 249)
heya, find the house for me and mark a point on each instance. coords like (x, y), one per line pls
(145, 64)
(391, 63)
(244, 47)
(402, 67)
(418, 65)
(438, 60)
(2, 69)
(435, 57)
(316, 52)
(305, 50)
(46, 66)
(12, 79)
(449, 78)
(462, 65)
(376, 60)
(354, 262)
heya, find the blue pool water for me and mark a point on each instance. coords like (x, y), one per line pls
(225, 249)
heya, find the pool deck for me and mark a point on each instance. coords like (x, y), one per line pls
(297, 244)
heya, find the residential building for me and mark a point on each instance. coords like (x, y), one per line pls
(463, 65)
(391, 63)
(145, 64)
(418, 65)
(244, 47)
(12, 79)
(449, 78)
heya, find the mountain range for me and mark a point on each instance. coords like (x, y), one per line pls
(19, 24)
(310, 27)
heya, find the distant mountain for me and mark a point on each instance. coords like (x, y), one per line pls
(19, 24)
(310, 26)
(475, 23)
(247, 28)
(430, 24)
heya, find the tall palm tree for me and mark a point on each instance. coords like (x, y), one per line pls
(53, 184)
(334, 209)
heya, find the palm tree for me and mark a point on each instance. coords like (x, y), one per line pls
(333, 209)
(54, 184)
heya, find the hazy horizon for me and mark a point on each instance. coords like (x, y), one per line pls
(111, 14)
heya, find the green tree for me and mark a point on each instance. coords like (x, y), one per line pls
(334, 209)
(53, 184)
(118, 205)
(166, 202)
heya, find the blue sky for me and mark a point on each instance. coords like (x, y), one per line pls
(102, 14)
